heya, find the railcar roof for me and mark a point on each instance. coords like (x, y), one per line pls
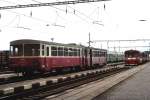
(130, 51)
(30, 41)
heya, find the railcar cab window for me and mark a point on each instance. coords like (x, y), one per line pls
(132, 54)
(25, 50)
(31, 49)
(16, 50)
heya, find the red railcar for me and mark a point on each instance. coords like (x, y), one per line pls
(34, 55)
(133, 57)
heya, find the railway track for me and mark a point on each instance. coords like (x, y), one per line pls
(19, 78)
(40, 92)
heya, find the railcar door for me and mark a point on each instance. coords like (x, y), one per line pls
(84, 57)
(47, 59)
(44, 56)
(90, 57)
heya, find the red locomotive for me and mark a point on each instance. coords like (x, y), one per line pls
(135, 57)
(29, 56)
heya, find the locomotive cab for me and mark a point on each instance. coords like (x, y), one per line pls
(133, 57)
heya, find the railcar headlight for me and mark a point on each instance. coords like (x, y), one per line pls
(131, 58)
(43, 66)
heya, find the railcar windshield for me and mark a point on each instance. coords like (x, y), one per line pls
(16, 50)
(31, 49)
(25, 50)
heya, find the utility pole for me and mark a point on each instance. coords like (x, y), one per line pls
(89, 39)
(108, 45)
(90, 50)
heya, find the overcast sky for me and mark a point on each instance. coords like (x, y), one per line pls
(72, 23)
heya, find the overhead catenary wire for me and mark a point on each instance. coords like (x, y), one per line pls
(29, 16)
(75, 12)
(8, 1)
(57, 15)
(73, 8)
(10, 22)
(49, 4)
(86, 16)
(66, 11)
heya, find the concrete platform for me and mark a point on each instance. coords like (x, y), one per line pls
(134, 88)
(93, 89)
(5, 76)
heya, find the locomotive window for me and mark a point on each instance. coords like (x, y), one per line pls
(60, 51)
(54, 51)
(31, 49)
(65, 51)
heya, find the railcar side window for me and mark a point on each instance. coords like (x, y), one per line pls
(65, 51)
(78, 52)
(42, 50)
(75, 52)
(54, 51)
(47, 49)
(70, 52)
(60, 51)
